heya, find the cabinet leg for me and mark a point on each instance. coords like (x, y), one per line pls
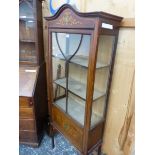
(99, 150)
(52, 135)
(53, 142)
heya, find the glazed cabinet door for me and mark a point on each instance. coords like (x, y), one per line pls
(70, 56)
(27, 38)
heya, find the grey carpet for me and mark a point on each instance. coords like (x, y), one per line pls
(62, 147)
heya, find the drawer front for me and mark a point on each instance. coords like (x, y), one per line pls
(26, 124)
(25, 102)
(26, 113)
(68, 127)
(28, 136)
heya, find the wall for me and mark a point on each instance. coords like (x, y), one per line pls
(122, 81)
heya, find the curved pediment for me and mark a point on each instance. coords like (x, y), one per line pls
(88, 14)
(68, 17)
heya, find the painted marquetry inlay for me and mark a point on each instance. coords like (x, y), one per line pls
(68, 19)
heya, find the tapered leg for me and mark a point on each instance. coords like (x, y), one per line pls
(53, 142)
(99, 150)
(52, 136)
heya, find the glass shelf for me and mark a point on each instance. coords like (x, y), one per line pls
(27, 51)
(81, 60)
(28, 58)
(27, 19)
(27, 40)
(78, 88)
(76, 109)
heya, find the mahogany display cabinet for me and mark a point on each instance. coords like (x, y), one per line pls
(81, 54)
(33, 105)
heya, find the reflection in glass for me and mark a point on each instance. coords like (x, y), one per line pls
(27, 48)
(26, 9)
(71, 51)
(27, 31)
(69, 43)
(27, 52)
(105, 49)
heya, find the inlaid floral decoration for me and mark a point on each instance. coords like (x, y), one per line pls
(68, 19)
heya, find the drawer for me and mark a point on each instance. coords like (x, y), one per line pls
(25, 102)
(26, 113)
(68, 127)
(28, 137)
(26, 124)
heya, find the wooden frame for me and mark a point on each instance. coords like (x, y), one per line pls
(33, 108)
(68, 20)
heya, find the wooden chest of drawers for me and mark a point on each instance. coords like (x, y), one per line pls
(33, 110)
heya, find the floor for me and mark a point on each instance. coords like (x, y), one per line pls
(62, 147)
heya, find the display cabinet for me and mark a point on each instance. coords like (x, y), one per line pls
(81, 54)
(33, 109)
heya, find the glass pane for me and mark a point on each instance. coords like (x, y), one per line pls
(65, 45)
(76, 108)
(71, 51)
(78, 80)
(27, 52)
(58, 75)
(105, 49)
(26, 9)
(27, 31)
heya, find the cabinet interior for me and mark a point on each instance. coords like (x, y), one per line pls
(76, 80)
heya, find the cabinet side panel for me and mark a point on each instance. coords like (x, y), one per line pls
(40, 101)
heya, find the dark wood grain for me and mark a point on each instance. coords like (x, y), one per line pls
(95, 135)
(27, 124)
(25, 102)
(41, 106)
(33, 108)
(28, 137)
(26, 113)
